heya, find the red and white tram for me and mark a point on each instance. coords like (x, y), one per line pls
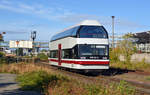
(84, 46)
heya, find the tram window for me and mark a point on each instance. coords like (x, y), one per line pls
(63, 53)
(75, 52)
(67, 53)
(93, 32)
(53, 54)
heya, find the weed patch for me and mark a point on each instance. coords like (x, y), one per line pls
(148, 78)
(76, 88)
(21, 68)
(131, 65)
(38, 80)
(42, 56)
(49, 82)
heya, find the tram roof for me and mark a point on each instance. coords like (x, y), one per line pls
(72, 31)
(89, 22)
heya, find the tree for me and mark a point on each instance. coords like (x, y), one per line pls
(1, 37)
(114, 54)
(126, 46)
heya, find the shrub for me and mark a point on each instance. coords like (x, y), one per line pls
(114, 55)
(148, 78)
(77, 88)
(2, 58)
(2, 54)
(38, 80)
(42, 56)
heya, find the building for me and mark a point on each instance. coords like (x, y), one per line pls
(142, 41)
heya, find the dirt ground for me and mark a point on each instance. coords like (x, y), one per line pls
(145, 78)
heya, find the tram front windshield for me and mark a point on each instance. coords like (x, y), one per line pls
(93, 50)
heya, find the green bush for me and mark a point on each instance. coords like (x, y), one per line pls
(114, 55)
(2, 58)
(42, 56)
(2, 54)
(148, 78)
(78, 88)
(38, 80)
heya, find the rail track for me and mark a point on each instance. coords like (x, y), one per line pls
(104, 78)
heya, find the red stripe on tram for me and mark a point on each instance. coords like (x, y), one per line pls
(82, 62)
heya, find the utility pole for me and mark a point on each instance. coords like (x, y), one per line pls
(17, 51)
(113, 17)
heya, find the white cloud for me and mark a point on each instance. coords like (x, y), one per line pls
(26, 7)
(5, 2)
(58, 13)
(36, 10)
(50, 13)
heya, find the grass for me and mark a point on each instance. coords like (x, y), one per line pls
(38, 80)
(126, 49)
(42, 57)
(52, 84)
(20, 68)
(148, 78)
(142, 66)
(49, 82)
(115, 61)
(77, 88)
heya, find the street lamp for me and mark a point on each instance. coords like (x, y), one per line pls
(33, 37)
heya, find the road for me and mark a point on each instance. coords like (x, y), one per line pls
(8, 86)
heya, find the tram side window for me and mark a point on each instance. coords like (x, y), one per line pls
(53, 54)
(67, 53)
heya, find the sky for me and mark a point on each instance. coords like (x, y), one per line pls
(19, 17)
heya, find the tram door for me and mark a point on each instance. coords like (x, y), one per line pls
(59, 54)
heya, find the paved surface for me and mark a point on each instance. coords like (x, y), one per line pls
(8, 86)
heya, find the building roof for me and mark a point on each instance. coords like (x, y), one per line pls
(143, 37)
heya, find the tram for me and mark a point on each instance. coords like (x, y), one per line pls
(84, 46)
